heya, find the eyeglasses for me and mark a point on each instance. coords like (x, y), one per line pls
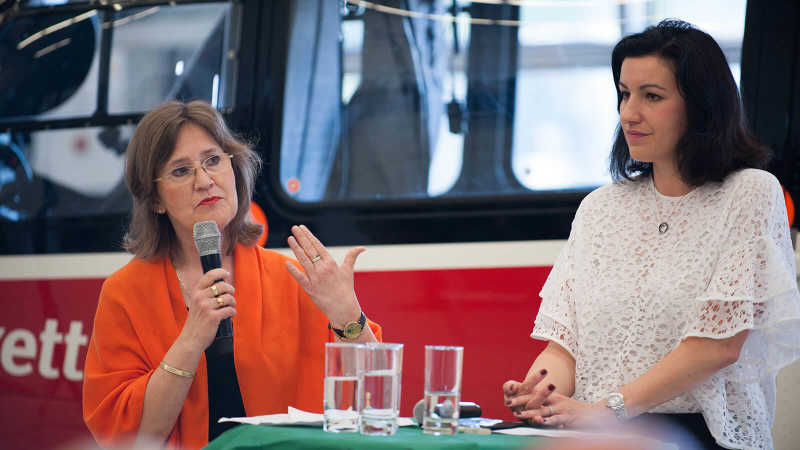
(213, 165)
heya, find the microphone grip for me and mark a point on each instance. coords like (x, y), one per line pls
(211, 262)
(469, 409)
(225, 329)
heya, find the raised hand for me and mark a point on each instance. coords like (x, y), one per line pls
(329, 285)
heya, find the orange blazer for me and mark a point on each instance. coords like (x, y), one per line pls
(279, 345)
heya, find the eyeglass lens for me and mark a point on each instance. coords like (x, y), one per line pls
(214, 164)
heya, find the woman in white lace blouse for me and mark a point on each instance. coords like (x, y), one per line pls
(676, 291)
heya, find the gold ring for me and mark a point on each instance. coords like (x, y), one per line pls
(220, 302)
(214, 290)
(316, 258)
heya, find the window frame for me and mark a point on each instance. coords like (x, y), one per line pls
(101, 117)
(43, 234)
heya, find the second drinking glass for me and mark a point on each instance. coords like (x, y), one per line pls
(380, 388)
(442, 389)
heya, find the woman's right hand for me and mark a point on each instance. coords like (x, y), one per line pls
(532, 393)
(206, 310)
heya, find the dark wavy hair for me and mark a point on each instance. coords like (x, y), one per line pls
(717, 141)
(151, 234)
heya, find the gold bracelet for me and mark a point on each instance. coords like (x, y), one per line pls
(176, 371)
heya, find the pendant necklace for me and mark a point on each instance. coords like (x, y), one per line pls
(663, 226)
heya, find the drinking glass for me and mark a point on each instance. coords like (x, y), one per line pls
(442, 389)
(380, 388)
(343, 364)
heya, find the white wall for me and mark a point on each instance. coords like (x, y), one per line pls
(786, 432)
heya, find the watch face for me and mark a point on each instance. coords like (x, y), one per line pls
(614, 399)
(352, 330)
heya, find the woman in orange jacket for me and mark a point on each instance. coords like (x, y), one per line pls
(155, 370)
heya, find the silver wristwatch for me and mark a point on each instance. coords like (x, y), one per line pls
(616, 402)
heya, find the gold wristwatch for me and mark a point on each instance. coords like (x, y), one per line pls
(352, 330)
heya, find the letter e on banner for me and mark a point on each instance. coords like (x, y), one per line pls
(11, 350)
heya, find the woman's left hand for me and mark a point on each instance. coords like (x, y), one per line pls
(564, 412)
(329, 285)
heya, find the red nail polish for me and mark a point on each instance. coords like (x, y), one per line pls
(543, 372)
(551, 387)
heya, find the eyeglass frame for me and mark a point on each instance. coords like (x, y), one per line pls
(194, 168)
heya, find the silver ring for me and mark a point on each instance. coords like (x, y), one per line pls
(550, 408)
(316, 258)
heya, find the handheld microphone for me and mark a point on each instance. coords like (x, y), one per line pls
(207, 239)
(465, 410)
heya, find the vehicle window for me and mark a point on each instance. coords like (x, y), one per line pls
(163, 52)
(566, 105)
(35, 3)
(67, 161)
(472, 99)
(63, 173)
(49, 70)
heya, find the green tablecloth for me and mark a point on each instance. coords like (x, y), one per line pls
(298, 437)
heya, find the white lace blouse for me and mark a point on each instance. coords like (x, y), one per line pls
(622, 295)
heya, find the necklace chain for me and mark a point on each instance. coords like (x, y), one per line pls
(184, 290)
(180, 280)
(663, 225)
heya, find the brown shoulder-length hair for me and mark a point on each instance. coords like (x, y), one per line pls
(151, 234)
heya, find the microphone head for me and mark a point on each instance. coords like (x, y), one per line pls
(207, 237)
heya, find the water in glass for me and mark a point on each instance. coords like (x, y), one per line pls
(341, 407)
(441, 413)
(380, 402)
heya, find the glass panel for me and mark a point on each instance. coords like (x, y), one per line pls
(367, 124)
(63, 173)
(563, 127)
(165, 52)
(460, 98)
(35, 3)
(49, 65)
(566, 103)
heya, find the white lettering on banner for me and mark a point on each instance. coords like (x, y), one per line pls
(21, 343)
(74, 340)
(49, 337)
(10, 350)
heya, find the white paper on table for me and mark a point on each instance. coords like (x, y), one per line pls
(293, 416)
(560, 433)
(296, 416)
(549, 432)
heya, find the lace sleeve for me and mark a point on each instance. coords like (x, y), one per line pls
(556, 318)
(753, 286)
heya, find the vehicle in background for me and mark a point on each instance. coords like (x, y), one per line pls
(454, 139)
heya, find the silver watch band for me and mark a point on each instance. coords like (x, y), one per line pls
(616, 402)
